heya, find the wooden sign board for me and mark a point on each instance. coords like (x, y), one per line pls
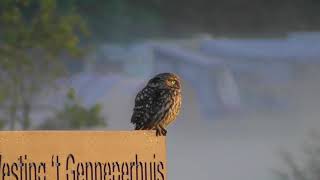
(82, 155)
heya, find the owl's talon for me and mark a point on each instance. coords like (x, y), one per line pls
(158, 132)
(163, 130)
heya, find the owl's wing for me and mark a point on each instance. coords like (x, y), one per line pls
(142, 108)
(160, 107)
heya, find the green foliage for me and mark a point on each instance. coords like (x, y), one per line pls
(33, 36)
(127, 20)
(120, 20)
(75, 116)
(134, 19)
(78, 117)
(37, 24)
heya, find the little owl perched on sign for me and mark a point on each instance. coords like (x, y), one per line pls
(158, 104)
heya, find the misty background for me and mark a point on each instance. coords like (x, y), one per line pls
(250, 71)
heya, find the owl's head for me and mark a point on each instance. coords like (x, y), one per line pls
(165, 81)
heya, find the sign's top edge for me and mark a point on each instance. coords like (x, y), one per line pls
(83, 131)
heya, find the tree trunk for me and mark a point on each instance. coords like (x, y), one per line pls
(13, 109)
(26, 116)
(13, 117)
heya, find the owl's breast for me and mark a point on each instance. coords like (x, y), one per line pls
(174, 110)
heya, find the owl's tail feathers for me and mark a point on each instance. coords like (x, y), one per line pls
(135, 119)
(139, 126)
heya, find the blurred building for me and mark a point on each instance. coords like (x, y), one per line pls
(223, 76)
(269, 72)
(134, 60)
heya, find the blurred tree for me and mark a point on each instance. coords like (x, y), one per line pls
(34, 36)
(75, 116)
(119, 20)
(307, 169)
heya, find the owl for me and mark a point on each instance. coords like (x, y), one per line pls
(158, 104)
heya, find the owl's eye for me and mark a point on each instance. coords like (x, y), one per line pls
(173, 82)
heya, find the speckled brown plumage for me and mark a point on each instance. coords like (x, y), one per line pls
(158, 104)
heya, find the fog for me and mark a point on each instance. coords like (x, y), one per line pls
(236, 140)
(250, 75)
(242, 148)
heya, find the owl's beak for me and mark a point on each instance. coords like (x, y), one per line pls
(177, 86)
